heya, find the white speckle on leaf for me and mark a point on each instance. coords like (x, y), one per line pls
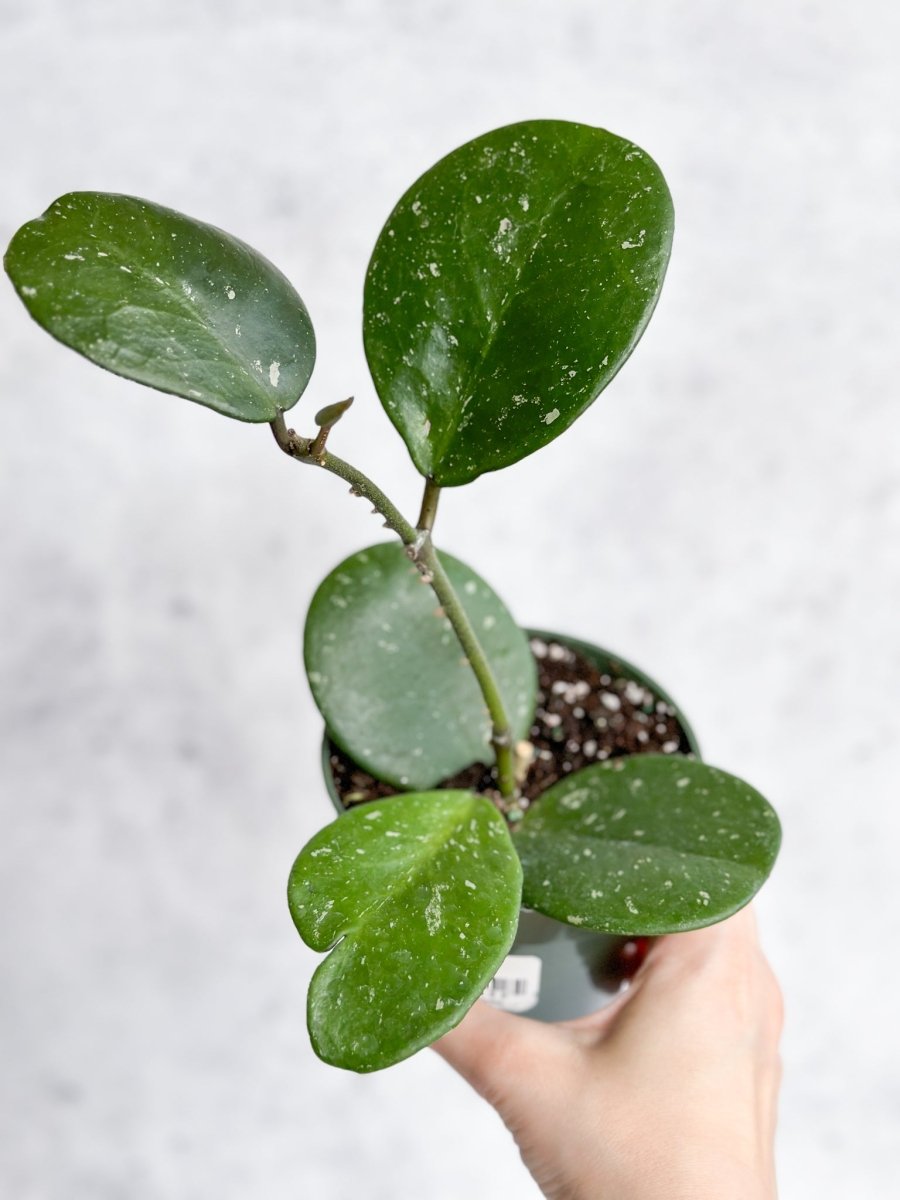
(499, 243)
(326, 908)
(523, 203)
(639, 241)
(29, 291)
(274, 372)
(575, 920)
(551, 416)
(230, 293)
(470, 884)
(434, 269)
(237, 330)
(433, 911)
(682, 783)
(74, 257)
(630, 905)
(470, 587)
(127, 270)
(618, 814)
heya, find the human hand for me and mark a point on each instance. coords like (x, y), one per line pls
(669, 1093)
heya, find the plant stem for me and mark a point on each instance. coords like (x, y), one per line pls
(501, 736)
(422, 553)
(303, 450)
(428, 511)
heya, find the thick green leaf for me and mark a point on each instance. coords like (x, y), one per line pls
(647, 844)
(424, 893)
(167, 301)
(508, 287)
(390, 678)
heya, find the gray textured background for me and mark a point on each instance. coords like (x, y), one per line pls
(727, 515)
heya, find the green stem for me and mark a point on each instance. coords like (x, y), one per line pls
(428, 511)
(501, 737)
(305, 450)
(422, 553)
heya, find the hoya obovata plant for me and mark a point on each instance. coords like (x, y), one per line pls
(508, 286)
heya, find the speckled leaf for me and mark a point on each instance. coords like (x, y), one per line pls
(508, 287)
(647, 844)
(424, 892)
(390, 678)
(167, 301)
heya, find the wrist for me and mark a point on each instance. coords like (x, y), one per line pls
(688, 1171)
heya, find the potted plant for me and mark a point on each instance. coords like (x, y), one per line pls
(487, 774)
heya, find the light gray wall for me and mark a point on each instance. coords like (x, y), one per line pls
(727, 515)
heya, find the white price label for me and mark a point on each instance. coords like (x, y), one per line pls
(516, 987)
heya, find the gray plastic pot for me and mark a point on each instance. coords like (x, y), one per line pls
(555, 971)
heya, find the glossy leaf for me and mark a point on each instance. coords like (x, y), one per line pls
(647, 844)
(508, 287)
(423, 892)
(170, 302)
(390, 678)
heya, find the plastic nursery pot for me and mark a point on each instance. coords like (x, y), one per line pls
(555, 971)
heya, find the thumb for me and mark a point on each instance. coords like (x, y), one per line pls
(491, 1050)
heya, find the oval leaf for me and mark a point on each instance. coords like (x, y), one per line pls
(424, 893)
(508, 287)
(390, 678)
(167, 301)
(647, 844)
